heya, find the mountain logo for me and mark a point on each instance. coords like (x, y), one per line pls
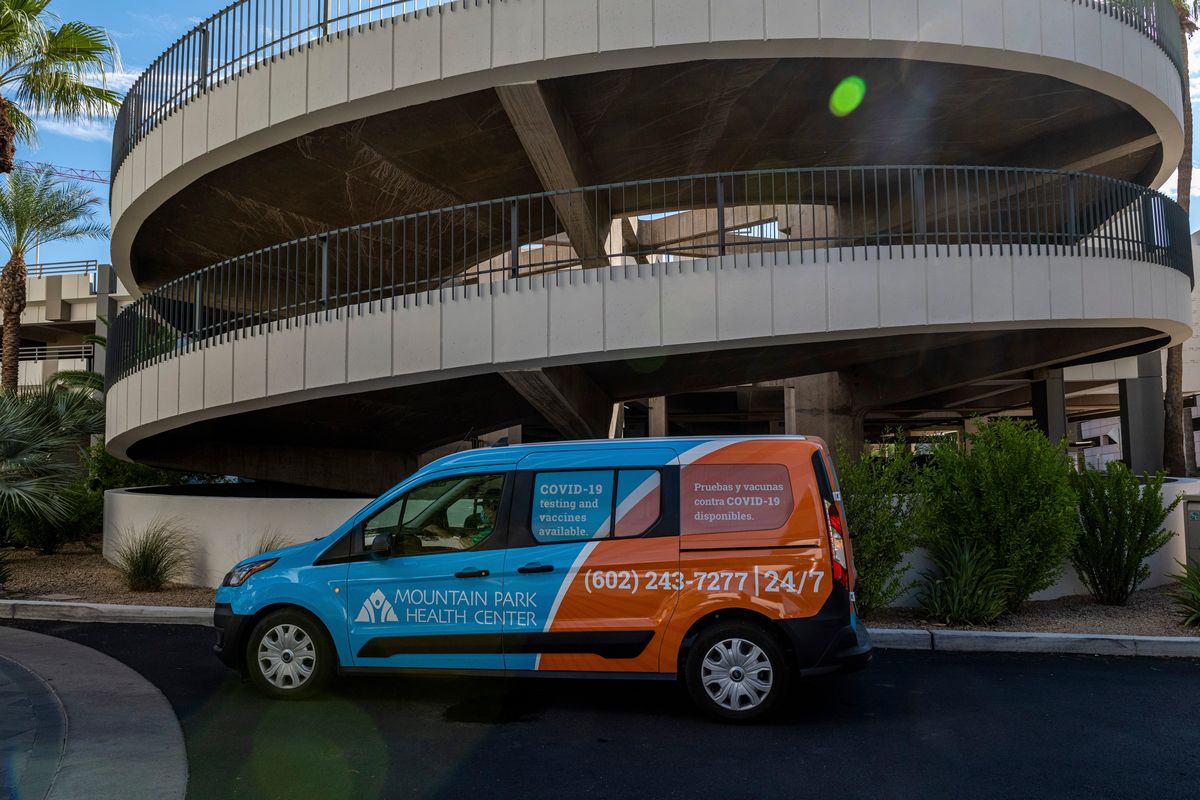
(376, 608)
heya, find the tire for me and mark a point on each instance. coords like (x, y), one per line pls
(300, 650)
(737, 672)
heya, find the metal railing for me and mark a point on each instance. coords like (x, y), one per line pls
(794, 216)
(251, 31)
(87, 267)
(57, 352)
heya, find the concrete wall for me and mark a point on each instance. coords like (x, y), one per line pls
(1163, 564)
(632, 311)
(466, 45)
(224, 530)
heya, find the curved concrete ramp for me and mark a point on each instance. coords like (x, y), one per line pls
(122, 740)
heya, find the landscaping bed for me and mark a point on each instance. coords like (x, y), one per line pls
(79, 573)
(1150, 612)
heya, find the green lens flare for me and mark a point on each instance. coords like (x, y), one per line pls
(848, 96)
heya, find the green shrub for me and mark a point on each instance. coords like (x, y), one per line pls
(82, 517)
(881, 503)
(965, 586)
(1187, 593)
(153, 557)
(271, 539)
(5, 569)
(1121, 526)
(1009, 494)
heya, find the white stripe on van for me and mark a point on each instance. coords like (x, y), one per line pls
(562, 590)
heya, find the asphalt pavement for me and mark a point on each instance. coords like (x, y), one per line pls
(914, 724)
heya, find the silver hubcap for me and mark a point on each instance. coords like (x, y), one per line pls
(737, 674)
(286, 656)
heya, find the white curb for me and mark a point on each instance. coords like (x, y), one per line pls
(103, 612)
(901, 638)
(1092, 644)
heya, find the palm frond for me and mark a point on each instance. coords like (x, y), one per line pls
(78, 379)
(35, 206)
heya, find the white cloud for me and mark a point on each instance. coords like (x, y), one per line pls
(119, 79)
(88, 130)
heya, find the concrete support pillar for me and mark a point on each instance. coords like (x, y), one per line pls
(106, 310)
(616, 427)
(1142, 416)
(825, 408)
(790, 426)
(658, 416)
(1050, 405)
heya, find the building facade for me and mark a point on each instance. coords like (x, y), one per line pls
(365, 231)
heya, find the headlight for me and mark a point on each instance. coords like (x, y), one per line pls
(238, 575)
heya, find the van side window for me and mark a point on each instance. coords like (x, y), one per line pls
(726, 498)
(639, 501)
(572, 506)
(442, 516)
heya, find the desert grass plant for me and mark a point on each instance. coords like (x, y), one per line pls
(5, 569)
(271, 539)
(1121, 520)
(881, 499)
(965, 586)
(154, 556)
(1008, 493)
(1187, 593)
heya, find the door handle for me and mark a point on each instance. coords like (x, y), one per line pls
(529, 569)
(472, 573)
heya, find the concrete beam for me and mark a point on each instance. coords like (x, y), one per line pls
(567, 398)
(557, 157)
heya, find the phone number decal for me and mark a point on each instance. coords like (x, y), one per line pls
(767, 581)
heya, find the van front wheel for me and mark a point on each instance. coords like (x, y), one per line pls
(737, 672)
(288, 655)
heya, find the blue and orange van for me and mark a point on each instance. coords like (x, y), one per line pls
(725, 562)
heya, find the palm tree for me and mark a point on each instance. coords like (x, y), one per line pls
(1175, 460)
(35, 207)
(48, 67)
(40, 435)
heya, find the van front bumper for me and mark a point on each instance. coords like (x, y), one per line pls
(230, 629)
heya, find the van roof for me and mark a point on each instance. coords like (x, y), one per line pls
(511, 454)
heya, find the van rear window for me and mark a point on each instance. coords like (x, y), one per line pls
(581, 505)
(725, 498)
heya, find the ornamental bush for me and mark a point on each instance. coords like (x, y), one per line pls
(151, 558)
(881, 500)
(1009, 495)
(1187, 593)
(965, 585)
(1121, 526)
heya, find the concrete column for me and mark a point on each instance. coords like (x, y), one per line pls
(790, 426)
(658, 416)
(106, 307)
(1142, 416)
(825, 408)
(1050, 405)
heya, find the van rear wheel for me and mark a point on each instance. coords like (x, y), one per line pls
(289, 656)
(737, 672)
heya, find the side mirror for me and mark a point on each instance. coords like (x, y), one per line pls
(381, 547)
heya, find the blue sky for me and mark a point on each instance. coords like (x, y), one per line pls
(142, 29)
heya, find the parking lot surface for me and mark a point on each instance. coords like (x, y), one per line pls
(914, 724)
